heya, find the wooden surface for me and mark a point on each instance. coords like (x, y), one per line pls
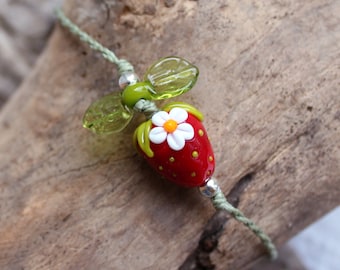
(269, 89)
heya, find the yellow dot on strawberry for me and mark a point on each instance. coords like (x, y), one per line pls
(160, 168)
(200, 132)
(211, 158)
(194, 154)
(170, 126)
(172, 159)
(193, 174)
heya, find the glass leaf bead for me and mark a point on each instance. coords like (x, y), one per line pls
(107, 115)
(170, 77)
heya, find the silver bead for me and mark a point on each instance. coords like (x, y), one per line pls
(210, 188)
(127, 78)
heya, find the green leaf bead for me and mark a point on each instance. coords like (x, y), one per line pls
(171, 76)
(107, 115)
(135, 92)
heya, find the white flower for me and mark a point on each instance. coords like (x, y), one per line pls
(171, 127)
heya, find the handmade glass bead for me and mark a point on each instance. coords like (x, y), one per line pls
(107, 114)
(175, 143)
(171, 76)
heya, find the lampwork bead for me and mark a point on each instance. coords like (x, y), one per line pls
(171, 140)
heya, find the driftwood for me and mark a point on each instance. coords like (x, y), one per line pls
(269, 89)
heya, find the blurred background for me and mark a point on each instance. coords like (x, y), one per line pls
(25, 26)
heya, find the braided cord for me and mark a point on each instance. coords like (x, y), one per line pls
(220, 202)
(147, 107)
(122, 64)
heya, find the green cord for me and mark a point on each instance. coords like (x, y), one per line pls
(220, 202)
(122, 64)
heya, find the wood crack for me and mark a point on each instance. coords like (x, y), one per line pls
(199, 259)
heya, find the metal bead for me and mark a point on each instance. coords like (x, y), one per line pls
(210, 188)
(127, 78)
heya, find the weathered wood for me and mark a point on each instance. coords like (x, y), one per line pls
(269, 88)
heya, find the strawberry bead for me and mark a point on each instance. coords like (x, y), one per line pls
(180, 148)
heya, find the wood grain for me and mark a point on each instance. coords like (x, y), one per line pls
(269, 89)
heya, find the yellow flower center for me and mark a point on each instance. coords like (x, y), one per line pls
(170, 126)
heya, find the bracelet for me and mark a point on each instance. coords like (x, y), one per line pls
(173, 139)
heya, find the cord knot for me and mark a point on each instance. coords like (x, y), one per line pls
(147, 107)
(124, 66)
